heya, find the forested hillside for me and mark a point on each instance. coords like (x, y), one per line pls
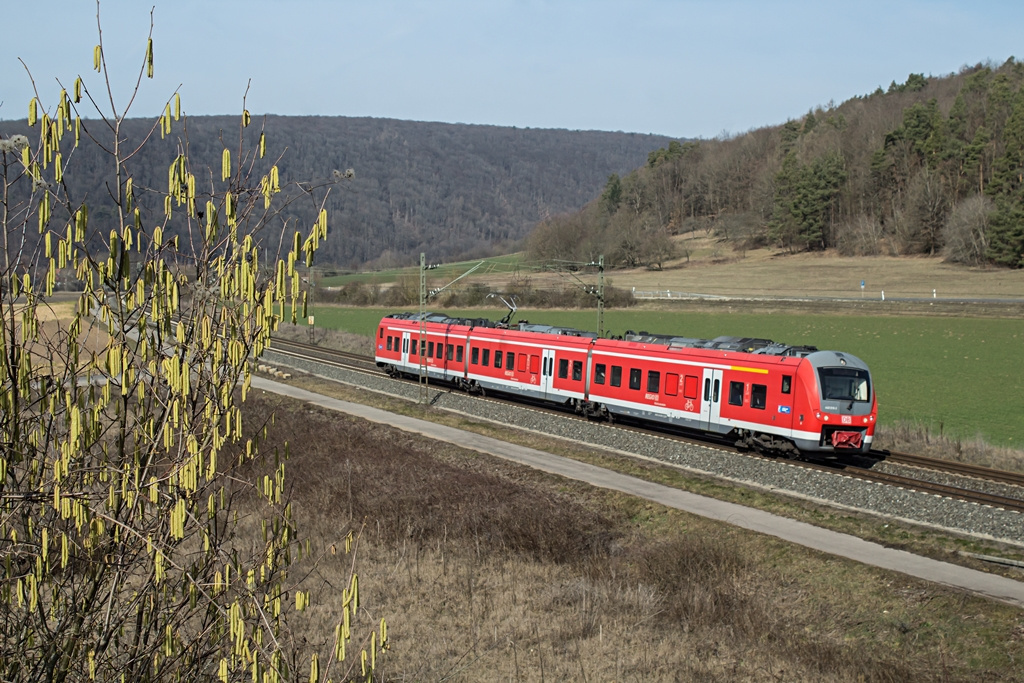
(930, 166)
(450, 190)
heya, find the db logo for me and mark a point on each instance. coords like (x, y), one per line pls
(847, 420)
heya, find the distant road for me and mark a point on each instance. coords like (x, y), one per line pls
(668, 295)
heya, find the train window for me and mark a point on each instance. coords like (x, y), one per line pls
(474, 355)
(634, 378)
(389, 342)
(671, 384)
(707, 390)
(510, 360)
(616, 375)
(563, 368)
(381, 334)
(787, 383)
(691, 386)
(440, 350)
(653, 381)
(844, 384)
(412, 351)
(458, 354)
(497, 359)
(714, 393)
(405, 345)
(451, 350)
(735, 393)
(534, 365)
(599, 371)
(577, 370)
(487, 357)
(758, 396)
(430, 349)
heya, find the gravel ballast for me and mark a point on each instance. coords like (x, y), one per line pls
(773, 475)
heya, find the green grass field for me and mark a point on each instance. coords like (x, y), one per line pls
(956, 375)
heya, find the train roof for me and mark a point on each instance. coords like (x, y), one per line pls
(765, 347)
(754, 345)
(522, 326)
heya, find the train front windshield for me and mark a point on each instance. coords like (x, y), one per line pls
(844, 384)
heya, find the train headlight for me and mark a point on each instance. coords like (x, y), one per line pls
(825, 418)
(817, 416)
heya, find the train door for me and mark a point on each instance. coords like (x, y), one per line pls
(547, 370)
(710, 405)
(405, 347)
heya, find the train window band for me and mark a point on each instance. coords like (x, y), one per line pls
(804, 399)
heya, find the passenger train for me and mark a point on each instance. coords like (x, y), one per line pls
(774, 398)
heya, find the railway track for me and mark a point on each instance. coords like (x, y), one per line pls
(952, 467)
(859, 467)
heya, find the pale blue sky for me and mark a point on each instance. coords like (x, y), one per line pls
(682, 68)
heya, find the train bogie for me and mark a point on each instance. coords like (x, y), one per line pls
(763, 395)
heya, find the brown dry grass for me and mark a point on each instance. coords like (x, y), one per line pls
(487, 571)
(329, 339)
(715, 268)
(53, 317)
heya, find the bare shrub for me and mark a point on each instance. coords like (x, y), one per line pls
(965, 231)
(861, 236)
(702, 581)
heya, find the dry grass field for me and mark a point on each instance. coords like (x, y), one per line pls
(715, 268)
(53, 317)
(490, 571)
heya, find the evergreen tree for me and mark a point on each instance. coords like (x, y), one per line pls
(1006, 233)
(1009, 167)
(805, 201)
(612, 195)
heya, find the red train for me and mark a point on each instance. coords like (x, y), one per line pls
(767, 396)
